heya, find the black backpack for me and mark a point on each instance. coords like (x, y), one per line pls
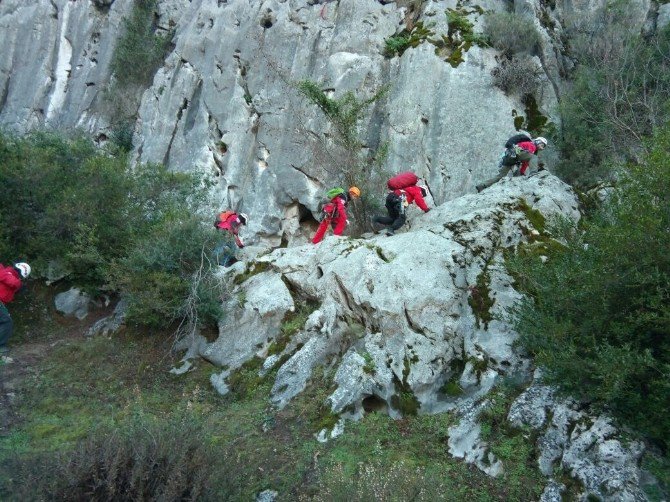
(394, 203)
(516, 139)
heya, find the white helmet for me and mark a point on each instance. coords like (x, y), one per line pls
(540, 140)
(23, 268)
(243, 218)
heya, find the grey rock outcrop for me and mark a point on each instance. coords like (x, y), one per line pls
(224, 103)
(254, 317)
(411, 296)
(110, 324)
(589, 447)
(73, 303)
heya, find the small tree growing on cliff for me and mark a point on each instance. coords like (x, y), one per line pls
(138, 54)
(343, 153)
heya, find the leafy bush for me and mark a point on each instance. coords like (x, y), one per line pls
(140, 51)
(598, 312)
(512, 34)
(618, 97)
(166, 274)
(138, 54)
(517, 75)
(145, 459)
(109, 226)
(398, 44)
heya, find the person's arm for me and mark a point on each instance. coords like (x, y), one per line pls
(418, 198)
(8, 278)
(341, 220)
(234, 229)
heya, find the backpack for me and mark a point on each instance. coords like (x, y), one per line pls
(517, 138)
(334, 192)
(222, 217)
(326, 208)
(402, 180)
(395, 204)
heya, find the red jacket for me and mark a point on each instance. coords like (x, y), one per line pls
(339, 203)
(413, 194)
(10, 283)
(530, 147)
(232, 224)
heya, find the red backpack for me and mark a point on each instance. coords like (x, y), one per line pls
(402, 180)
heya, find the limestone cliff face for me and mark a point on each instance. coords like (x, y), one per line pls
(223, 103)
(397, 320)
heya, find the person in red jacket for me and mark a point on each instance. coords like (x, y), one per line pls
(518, 154)
(230, 222)
(10, 283)
(335, 214)
(396, 203)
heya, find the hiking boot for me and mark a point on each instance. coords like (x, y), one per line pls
(480, 188)
(390, 232)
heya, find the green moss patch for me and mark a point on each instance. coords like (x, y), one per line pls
(398, 44)
(292, 323)
(253, 268)
(404, 400)
(480, 300)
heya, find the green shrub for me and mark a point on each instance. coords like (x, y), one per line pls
(138, 54)
(166, 275)
(618, 97)
(109, 226)
(517, 76)
(399, 43)
(144, 459)
(512, 34)
(597, 315)
(344, 154)
(140, 51)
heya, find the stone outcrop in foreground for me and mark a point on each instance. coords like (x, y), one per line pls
(415, 323)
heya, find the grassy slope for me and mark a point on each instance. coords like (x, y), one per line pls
(74, 387)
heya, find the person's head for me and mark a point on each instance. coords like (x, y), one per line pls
(23, 268)
(424, 191)
(354, 192)
(540, 142)
(243, 218)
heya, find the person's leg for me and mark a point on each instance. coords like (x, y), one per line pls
(6, 326)
(340, 224)
(321, 231)
(397, 223)
(384, 220)
(503, 172)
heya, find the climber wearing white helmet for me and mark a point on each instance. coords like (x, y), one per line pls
(10, 283)
(519, 150)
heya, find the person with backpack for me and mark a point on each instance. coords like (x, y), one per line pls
(230, 222)
(404, 191)
(10, 283)
(334, 212)
(519, 150)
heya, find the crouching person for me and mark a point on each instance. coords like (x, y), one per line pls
(229, 222)
(10, 283)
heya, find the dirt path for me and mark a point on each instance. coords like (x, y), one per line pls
(27, 354)
(15, 368)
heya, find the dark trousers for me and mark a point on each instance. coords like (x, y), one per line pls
(225, 253)
(6, 325)
(396, 215)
